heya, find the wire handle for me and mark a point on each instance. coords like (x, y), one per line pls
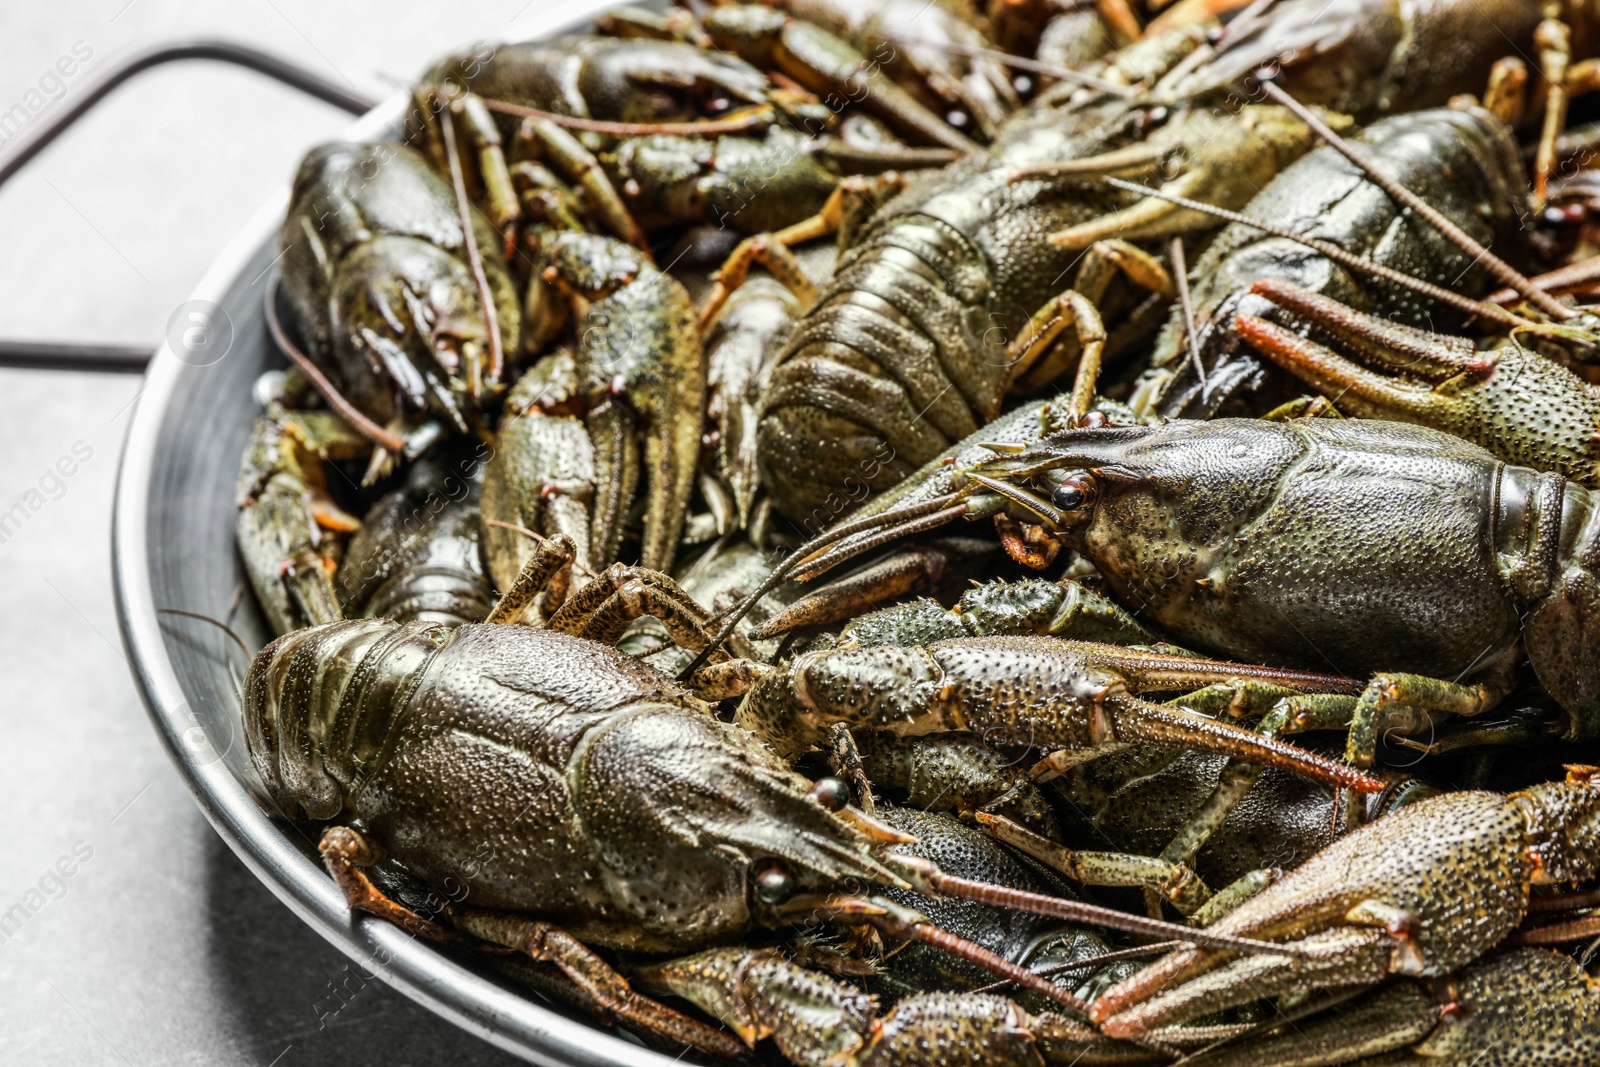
(72, 355)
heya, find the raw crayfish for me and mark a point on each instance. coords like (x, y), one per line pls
(564, 780)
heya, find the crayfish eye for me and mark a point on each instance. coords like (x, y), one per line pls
(831, 793)
(1067, 499)
(774, 882)
(1074, 492)
(1151, 119)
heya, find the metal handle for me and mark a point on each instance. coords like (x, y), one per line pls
(60, 355)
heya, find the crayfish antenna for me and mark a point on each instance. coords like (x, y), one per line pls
(491, 315)
(1503, 271)
(972, 952)
(926, 877)
(1164, 671)
(1092, 963)
(906, 924)
(547, 559)
(1139, 158)
(1572, 278)
(866, 542)
(319, 381)
(1138, 721)
(1016, 62)
(899, 521)
(1561, 932)
(1487, 311)
(1180, 278)
(741, 121)
(218, 623)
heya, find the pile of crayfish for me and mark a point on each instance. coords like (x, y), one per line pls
(897, 532)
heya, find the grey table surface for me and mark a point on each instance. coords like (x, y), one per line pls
(146, 941)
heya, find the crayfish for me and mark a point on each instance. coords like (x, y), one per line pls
(584, 797)
(622, 317)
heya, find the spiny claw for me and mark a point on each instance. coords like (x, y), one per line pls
(1340, 956)
(1409, 375)
(1077, 694)
(827, 66)
(641, 363)
(813, 1019)
(1422, 891)
(1513, 1004)
(541, 477)
(286, 514)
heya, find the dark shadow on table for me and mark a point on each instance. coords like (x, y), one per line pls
(288, 989)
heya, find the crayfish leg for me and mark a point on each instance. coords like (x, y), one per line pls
(764, 250)
(1237, 776)
(1234, 894)
(1398, 701)
(548, 558)
(482, 137)
(853, 201)
(598, 986)
(720, 681)
(621, 595)
(844, 759)
(1390, 704)
(1506, 94)
(811, 1018)
(344, 852)
(1408, 376)
(1044, 329)
(1236, 779)
(1171, 881)
(544, 139)
(1040, 355)
(1554, 41)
